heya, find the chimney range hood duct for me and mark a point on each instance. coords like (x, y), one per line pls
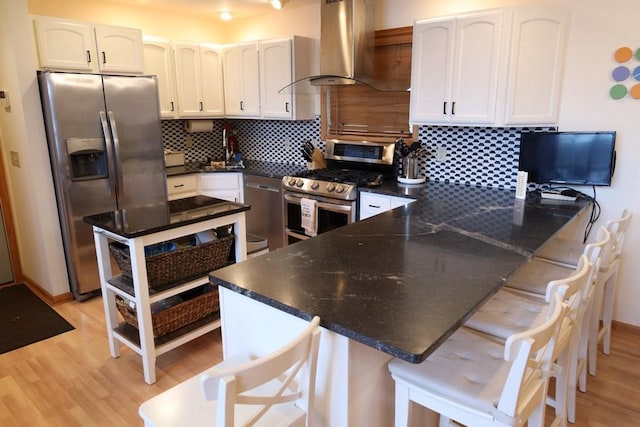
(347, 43)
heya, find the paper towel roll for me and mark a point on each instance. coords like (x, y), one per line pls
(192, 126)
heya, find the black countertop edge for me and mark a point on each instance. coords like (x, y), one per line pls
(337, 328)
(251, 167)
(148, 219)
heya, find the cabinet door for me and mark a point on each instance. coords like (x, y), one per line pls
(536, 65)
(230, 65)
(431, 69)
(119, 49)
(276, 73)
(158, 60)
(65, 45)
(212, 87)
(226, 186)
(188, 84)
(242, 80)
(455, 69)
(250, 75)
(476, 69)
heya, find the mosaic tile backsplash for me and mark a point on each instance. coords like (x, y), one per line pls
(477, 156)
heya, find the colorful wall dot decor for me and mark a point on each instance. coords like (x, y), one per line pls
(627, 74)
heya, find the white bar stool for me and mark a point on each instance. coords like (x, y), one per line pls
(476, 381)
(561, 252)
(276, 389)
(510, 312)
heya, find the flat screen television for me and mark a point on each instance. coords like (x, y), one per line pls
(568, 158)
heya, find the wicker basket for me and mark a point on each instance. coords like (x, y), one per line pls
(199, 303)
(179, 265)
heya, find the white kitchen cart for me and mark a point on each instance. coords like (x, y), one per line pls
(178, 225)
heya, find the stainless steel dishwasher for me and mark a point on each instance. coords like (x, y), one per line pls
(265, 216)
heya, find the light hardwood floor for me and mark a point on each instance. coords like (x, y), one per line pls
(71, 380)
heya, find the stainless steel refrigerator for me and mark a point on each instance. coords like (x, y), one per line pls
(105, 144)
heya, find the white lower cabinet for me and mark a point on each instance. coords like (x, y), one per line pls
(181, 186)
(222, 185)
(372, 204)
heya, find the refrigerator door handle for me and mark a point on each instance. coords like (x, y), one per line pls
(112, 173)
(116, 146)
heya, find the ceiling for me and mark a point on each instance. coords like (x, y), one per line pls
(238, 8)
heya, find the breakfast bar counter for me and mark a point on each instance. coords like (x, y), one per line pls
(395, 285)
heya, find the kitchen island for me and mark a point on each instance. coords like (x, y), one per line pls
(141, 227)
(395, 285)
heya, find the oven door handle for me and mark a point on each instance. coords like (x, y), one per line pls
(322, 205)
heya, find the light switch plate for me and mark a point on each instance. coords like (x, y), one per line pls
(15, 158)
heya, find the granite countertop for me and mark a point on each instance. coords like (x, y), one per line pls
(403, 281)
(251, 167)
(147, 219)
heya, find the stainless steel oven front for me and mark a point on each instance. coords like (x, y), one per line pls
(330, 214)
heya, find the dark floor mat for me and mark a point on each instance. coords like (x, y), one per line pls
(26, 319)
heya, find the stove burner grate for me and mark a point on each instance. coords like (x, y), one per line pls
(345, 176)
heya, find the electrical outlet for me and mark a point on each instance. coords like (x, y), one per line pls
(15, 158)
(441, 154)
(286, 142)
(188, 141)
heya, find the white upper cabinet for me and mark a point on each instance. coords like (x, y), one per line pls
(241, 80)
(158, 61)
(456, 69)
(212, 80)
(536, 64)
(283, 61)
(275, 74)
(79, 46)
(199, 80)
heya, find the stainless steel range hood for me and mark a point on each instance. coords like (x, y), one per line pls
(346, 42)
(347, 47)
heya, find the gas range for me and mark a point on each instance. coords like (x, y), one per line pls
(334, 183)
(350, 164)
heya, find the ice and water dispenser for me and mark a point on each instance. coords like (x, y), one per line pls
(88, 158)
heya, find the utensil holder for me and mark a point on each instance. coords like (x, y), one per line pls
(410, 167)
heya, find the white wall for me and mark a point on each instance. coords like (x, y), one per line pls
(30, 186)
(598, 29)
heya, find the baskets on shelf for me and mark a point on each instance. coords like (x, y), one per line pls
(179, 265)
(196, 304)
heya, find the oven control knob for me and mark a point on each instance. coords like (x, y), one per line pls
(292, 182)
(315, 185)
(299, 183)
(331, 187)
(340, 189)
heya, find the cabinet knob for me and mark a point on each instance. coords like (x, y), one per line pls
(444, 108)
(104, 57)
(88, 56)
